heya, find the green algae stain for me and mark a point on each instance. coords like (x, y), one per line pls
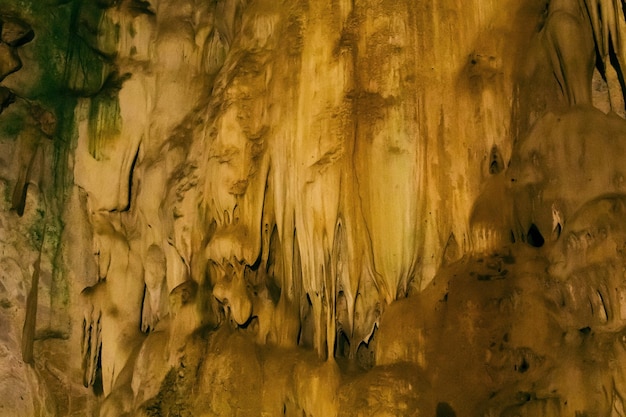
(109, 32)
(11, 124)
(105, 124)
(91, 46)
(59, 66)
(44, 66)
(35, 230)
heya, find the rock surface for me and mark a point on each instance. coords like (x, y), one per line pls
(321, 208)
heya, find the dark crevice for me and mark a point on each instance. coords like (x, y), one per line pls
(130, 180)
(342, 345)
(249, 322)
(445, 410)
(604, 306)
(496, 164)
(557, 231)
(534, 237)
(274, 266)
(523, 367)
(144, 300)
(615, 63)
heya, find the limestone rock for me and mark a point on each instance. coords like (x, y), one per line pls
(551, 167)
(321, 208)
(6, 98)
(9, 60)
(15, 32)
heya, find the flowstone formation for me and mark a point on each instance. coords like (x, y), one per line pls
(320, 208)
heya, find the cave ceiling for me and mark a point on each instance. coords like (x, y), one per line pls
(313, 208)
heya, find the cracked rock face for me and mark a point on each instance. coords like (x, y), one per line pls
(13, 33)
(345, 208)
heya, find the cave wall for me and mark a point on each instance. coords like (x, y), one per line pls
(201, 193)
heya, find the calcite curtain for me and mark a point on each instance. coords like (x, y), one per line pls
(312, 207)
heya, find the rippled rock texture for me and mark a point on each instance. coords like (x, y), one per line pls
(320, 208)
